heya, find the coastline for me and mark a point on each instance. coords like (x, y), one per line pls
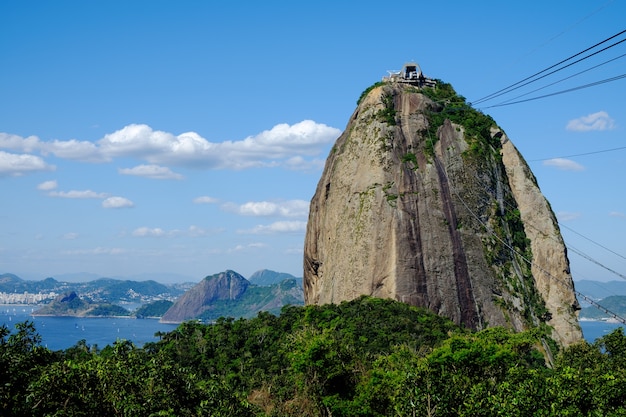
(86, 316)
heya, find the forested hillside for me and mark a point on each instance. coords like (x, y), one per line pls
(366, 357)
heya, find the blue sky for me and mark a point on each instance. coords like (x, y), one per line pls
(151, 137)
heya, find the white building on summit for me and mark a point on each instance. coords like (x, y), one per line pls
(411, 73)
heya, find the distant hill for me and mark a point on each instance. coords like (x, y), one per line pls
(154, 309)
(614, 303)
(70, 304)
(102, 290)
(11, 283)
(230, 294)
(228, 285)
(598, 290)
(268, 277)
(270, 298)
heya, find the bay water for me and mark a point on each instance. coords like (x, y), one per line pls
(63, 332)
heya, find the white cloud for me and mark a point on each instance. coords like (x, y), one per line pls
(298, 163)
(73, 149)
(617, 214)
(117, 202)
(148, 232)
(292, 208)
(205, 200)
(277, 227)
(15, 142)
(70, 236)
(192, 231)
(564, 164)
(47, 185)
(283, 145)
(95, 251)
(240, 248)
(20, 164)
(595, 121)
(195, 231)
(152, 171)
(77, 194)
(565, 216)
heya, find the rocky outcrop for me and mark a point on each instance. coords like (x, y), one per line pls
(227, 285)
(426, 201)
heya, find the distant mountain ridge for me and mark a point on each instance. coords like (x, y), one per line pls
(226, 294)
(599, 289)
(268, 277)
(613, 303)
(103, 290)
(230, 294)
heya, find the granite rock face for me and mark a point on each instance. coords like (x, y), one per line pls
(426, 201)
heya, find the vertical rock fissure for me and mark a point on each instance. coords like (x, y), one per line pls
(465, 295)
(418, 291)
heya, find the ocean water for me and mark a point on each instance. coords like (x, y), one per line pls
(63, 332)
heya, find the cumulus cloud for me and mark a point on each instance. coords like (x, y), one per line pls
(18, 143)
(117, 202)
(283, 145)
(291, 208)
(152, 171)
(205, 200)
(77, 194)
(19, 164)
(277, 227)
(73, 149)
(595, 121)
(617, 214)
(47, 185)
(108, 201)
(564, 164)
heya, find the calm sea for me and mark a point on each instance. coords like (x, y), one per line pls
(63, 332)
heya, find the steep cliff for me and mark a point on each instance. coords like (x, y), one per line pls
(426, 201)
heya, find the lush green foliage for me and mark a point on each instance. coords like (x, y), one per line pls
(454, 108)
(410, 157)
(108, 310)
(248, 304)
(388, 113)
(368, 357)
(153, 309)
